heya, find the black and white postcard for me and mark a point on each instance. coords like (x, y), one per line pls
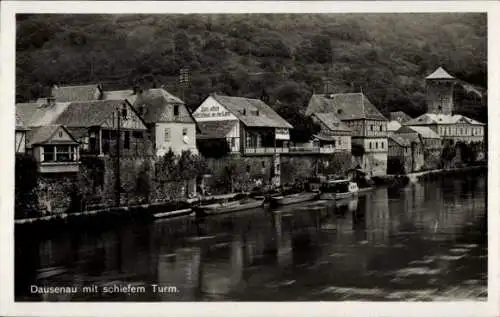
(255, 158)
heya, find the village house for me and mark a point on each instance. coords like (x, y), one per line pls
(407, 151)
(369, 126)
(440, 115)
(250, 126)
(20, 136)
(451, 127)
(334, 136)
(54, 149)
(94, 124)
(170, 123)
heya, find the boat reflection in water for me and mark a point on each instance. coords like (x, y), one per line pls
(423, 242)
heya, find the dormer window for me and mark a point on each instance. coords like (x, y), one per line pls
(339, 111)
(176, 110)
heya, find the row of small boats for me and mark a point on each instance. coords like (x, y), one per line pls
(331, 190)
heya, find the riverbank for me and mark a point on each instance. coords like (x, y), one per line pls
(150, 212)
(404, 179)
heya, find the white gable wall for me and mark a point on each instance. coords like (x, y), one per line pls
(211, 110)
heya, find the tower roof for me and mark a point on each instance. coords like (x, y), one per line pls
(440, 73)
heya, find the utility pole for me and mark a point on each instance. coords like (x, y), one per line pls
(118, 176)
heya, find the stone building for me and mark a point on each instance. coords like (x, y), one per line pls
(407, 150)
(441, 117)
(432, 143)
(369, 126)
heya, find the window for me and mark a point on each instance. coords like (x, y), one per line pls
(60, 134)
(126, 141)
(184, 131)
(263, 164)
(166, 136)
(376, 145)
(63, 153)
(60, 153)
(371, 127)
(48, 154)
(176, 110)
(461, 131)
(380, 128)
(370, 145)
(382, 144)
(233, 142)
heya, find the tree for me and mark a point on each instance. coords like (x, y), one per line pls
(143, 186)
(304, 127)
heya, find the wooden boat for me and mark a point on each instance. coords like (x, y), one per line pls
(338, 189)
(231, 206)
(293, 198)
(172, 213)
(365, 189)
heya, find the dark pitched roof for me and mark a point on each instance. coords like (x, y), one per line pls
(215, 129)
(75, 93)
(331, 121)
(399, 116)
(435, 118)
(425, 132)
(252, 112)
(440, 73)
(44, 134)
(399, 139)
(39, 114)
(348, 106)
(120, 94)
(159, 105)
(88, 113)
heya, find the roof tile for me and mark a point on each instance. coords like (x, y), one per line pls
(347, 106)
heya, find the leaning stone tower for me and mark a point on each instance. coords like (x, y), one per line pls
(439, 92)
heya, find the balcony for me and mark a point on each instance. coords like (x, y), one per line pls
(314, 150)
(264, 150)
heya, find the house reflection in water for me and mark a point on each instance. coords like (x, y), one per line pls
(180, 269)
(283, 242)
(220, 278)
(377, 218)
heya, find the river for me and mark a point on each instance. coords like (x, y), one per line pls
(426, 241)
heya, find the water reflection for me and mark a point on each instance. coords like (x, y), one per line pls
(393, 239)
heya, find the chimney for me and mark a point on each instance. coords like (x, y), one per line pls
(326, 86)
(245, 112)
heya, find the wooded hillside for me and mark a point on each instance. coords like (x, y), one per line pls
(385, 55)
